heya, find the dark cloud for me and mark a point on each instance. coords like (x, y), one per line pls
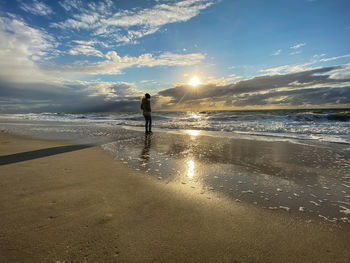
(129, 105)
(314, 87)
(311, 96)
(308, 87)
(66, 97)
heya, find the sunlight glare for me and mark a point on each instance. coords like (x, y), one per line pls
(194, 82)
(193, 132)
(190, 171)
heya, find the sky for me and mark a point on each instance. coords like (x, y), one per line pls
(87, 56)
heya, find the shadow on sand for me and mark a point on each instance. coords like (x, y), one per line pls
(30, 155)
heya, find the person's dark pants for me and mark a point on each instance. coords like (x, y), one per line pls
(148, 124)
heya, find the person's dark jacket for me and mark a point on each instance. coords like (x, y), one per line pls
(146, 105)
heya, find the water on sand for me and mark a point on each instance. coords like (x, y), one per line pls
(308, 177)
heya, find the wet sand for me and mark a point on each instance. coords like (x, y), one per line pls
(62, 202)
(302, 177)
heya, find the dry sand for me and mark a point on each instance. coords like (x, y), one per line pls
(77, 204)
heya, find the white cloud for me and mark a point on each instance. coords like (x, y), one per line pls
(334, 58)
(114, 63)
(295, 52)
(23, 48)
(287, 69)
(343, 73)
(134, 23)
(80, 21)
(71, 4)
(159, 15)
(223, 80)
(277, 52)
(20, 46)
(37, 8)
(92, 42)
(85, 50)
(319, 55)
(112, 90)
(102, 7)
(341, 76)
(298, 46)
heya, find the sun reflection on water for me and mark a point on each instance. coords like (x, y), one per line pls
(190, 169)
(194, 115)
(193, 132)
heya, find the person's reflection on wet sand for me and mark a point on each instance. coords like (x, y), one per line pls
(145, 151)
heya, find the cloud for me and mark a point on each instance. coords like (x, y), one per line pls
(114, 64)
(128, 25)
(80, 21)
(293, 98)
(297, 89)
(159, 15)
(71, 4)
(21, 47)
(67, 96)
(103, 6)
(343, 73)
(311, 87)
(25, 86)
(334, 58)
(85, 50)
(113, 91)
(298, 46)
(25, 48)
(91, 42)
(318, 55)
(223, 80)
(295, 52)
(278, 52)
(287, 68)
(36, 8)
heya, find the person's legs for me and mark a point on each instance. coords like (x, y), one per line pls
(146, 122)
(150, 123)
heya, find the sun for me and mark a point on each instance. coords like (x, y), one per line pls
(194, 82)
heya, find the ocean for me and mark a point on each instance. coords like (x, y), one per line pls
(328, 125)
(293, 161)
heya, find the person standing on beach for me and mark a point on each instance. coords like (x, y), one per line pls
(146, 109)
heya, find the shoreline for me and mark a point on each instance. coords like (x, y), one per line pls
(83, 205)
(310, 178)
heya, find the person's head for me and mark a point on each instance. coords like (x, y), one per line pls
(147, 96)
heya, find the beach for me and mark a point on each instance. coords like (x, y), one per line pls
(174, 131)
(64, 202)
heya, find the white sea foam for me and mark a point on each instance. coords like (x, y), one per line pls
(345, 210)
(314, 203)
(345, 203)
(247, 192)
(334, 220)
(284, 208)
(345, 220)
(276, 125)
